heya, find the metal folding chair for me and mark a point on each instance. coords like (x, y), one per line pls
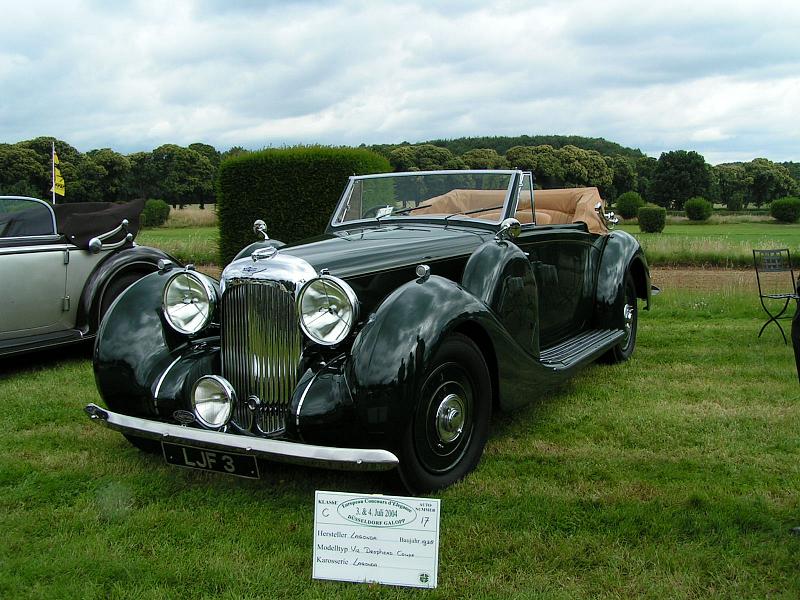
(773, 268)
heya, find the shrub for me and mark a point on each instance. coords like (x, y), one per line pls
(154, 214)
(785, 210)
(652, 218)
(628, 204)
(293, 189)
(698, 208)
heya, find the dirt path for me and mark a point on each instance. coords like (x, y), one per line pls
(703, 280)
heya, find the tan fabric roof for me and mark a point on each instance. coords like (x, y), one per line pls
(571, 205)
(553, 207)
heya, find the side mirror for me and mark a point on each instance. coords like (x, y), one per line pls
(259, 227)
(509, 229)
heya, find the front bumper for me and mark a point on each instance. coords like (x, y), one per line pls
(347, 459)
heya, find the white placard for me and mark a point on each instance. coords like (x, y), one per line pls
(378, 539)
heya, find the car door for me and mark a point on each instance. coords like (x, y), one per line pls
(562, 258)
(32, 269)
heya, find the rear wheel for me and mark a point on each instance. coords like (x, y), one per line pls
(448, 431)
(630, 319)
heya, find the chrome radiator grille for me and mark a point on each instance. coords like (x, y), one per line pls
(261, 345)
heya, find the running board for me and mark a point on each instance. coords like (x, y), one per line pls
(581, 348)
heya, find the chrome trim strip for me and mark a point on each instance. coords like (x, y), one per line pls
(161, 380)
(347, 459)
(9, 251)
(303, 399)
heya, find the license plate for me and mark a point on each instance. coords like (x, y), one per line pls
(203, 459)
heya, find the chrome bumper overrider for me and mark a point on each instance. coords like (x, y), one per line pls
(348, 459)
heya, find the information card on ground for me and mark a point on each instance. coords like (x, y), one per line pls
(371, 538)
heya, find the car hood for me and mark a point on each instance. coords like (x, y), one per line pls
(355, 252)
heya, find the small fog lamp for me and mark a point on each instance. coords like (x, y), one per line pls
(212, 400)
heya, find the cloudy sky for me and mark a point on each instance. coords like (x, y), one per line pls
(721, 78)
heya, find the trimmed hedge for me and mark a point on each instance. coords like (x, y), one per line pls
(154, 214)
(628, 204)
(293, 189)
(652, 218)
(698, 208)
(785, 210)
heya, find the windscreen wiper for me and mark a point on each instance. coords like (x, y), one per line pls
(475, 211)
(403, 211)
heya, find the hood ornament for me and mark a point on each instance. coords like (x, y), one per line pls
(259, 227)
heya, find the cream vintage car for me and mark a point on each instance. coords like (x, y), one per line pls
(62, 266)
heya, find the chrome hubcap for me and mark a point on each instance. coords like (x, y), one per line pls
(450, 418)
(627, 313)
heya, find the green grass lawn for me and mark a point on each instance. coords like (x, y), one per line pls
(675, 475)
(198, 245)
(716, 244)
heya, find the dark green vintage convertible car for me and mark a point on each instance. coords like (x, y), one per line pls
(432, 300)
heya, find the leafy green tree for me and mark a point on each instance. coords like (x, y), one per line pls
(733, 185)
(679, 175)
(184, 175)
(207, 150)
(645, 170)
(112, 183)
(422, 157)
(769, 181)
(623, 173)
(484, 158)
(584, 168)
(794, 170)
(214, 157)
(22, 173)
(85, 181)
(542, 160)
(142, 178)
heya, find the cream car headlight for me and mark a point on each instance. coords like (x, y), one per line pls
(189, 302)
(328, 310)
(212, 400)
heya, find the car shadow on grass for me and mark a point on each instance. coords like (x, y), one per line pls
(45, 359)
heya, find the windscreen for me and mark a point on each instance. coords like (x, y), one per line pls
(468, 194)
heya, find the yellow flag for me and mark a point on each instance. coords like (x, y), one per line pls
(55, 158)
(59, 187)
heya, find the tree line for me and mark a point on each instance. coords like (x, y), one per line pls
(181, 175)
(176, 174)
(667, 181)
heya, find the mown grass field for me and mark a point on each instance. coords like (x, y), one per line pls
(715, 244)
(675, 475)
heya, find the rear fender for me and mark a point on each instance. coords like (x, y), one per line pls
(621, 254)
(499, 274)
(138, 259)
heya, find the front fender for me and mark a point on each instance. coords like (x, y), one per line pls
(135, 347)
(621, 254)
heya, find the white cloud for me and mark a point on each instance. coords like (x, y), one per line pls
(717, 78)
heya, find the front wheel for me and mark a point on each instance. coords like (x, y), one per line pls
(630, 319)
(448, 431)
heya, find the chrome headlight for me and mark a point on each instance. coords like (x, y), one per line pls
(189, 302)
(212, 400)
(328, 310)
